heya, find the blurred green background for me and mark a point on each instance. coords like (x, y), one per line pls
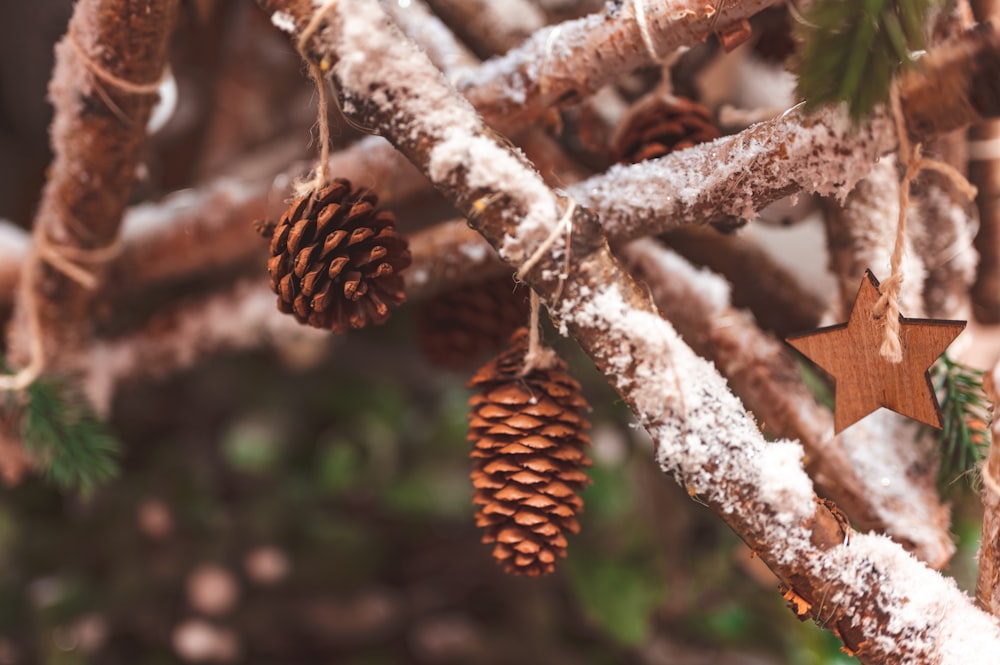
(267, 514)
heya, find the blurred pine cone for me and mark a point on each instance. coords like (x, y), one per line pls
(335, 259)
(529, 436)
(658, 125)
(457, 327)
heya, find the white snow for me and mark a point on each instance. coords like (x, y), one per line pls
(735, 174)
(283, 21)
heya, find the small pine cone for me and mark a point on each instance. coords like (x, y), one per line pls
(458, 327)
(527, 473)
(336, 259)
(658, 125)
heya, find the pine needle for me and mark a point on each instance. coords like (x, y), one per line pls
(64, 434)
(853, 49)
(965, 436)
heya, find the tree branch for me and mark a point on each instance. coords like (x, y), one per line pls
(765, 374)
(988, 583)
(242, 316)
(562, 64)
(882, 603)
(109, 52)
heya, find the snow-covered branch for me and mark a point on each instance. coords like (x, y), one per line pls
(884, 495)
(232, 319)
(886, 606)
(988, 584)
(103, 88)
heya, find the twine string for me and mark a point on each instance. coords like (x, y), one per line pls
(639, 12)
(321, 174)
(104, 75)
(71, 262)
(565, 222)
(538, 355)
(318, 73)
(914, 162)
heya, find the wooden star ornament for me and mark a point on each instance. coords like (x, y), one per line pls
(864, 380)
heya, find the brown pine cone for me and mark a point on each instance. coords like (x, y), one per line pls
(458, 327)
(335, 259)
(529, 437)
(658, 125)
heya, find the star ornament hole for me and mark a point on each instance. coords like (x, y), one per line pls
(865, 381)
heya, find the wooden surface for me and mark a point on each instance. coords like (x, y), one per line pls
(864, 380)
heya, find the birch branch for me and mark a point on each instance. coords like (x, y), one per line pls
(428, 31)
(988, 583)
(240, 317)
(562, 64)
(944, 241)
(764, 373)
(779, 301)
(493, 27)
(884, 604)
(97, 134)
(984, 172)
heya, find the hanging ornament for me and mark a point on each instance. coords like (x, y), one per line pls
(528, 458)
(336, 259)
(865, 379)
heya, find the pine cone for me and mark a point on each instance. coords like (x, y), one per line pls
(335, 259)
(458, 327)
(529, 436)
(658, 125)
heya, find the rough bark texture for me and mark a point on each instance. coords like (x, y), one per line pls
(97, 136)
(564, 63)
(860, 586)
(988, 583)
(779, 303)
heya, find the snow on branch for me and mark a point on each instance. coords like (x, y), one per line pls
(988, 584)
(885, 605)
(881, 496)
(242, 316)
(561, 64)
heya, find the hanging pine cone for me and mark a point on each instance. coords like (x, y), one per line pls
(659, 125)
(529, 437)
(458, 327)
(336, 259)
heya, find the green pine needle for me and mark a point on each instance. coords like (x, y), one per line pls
(854, 48)
(965, 436)
(62, 431)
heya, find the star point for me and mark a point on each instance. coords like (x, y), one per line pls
(864, 380)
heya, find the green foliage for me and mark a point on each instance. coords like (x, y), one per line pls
(619, 595)
(964, 438)
(64, 434)
(854, 48)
